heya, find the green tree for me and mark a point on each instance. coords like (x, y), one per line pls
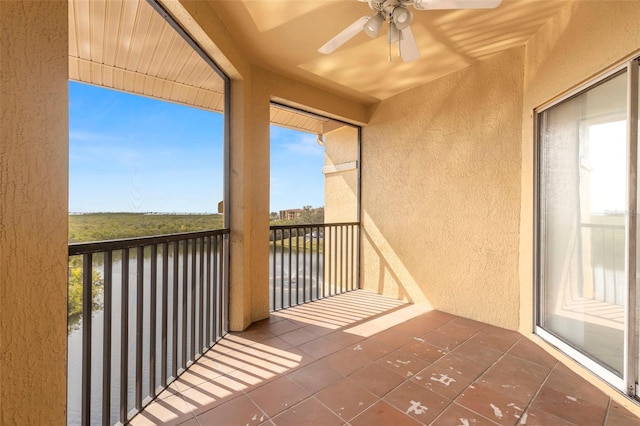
(310, 215)
(113, 226)
(317, 215)
(307, 214)
(74, 293)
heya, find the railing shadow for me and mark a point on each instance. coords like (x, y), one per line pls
(278, 346)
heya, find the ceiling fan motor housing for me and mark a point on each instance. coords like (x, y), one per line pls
(376, 6)
(394, 11)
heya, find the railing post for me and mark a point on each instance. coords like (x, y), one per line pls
(290, 260)
(165, 308)
(87, 308)
(139, 323)
(273, 283)
(216, 289)
(304, 264)
(297, 266)
(153, 278)
(208, 319)
(185, 301)
(194, 253)
(201, 344)
(318, 281)
(174, 316)
(106, 347)
(124, 338)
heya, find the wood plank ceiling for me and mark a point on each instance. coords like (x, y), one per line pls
(126, 45)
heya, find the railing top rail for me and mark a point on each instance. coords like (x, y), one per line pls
(313, 225)
(102, 246)
(601, 225)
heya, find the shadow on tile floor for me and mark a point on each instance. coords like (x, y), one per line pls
(361, 359)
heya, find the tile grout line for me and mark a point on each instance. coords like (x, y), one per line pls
(451, 402)
(332, 411)
(454, 400)
(267, 417)
(606, 413)
(535, 395)
(405, 379)
(466, 408)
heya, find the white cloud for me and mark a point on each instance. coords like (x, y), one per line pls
(296, 142)
(85, 136)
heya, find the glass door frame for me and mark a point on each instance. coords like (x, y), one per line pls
(629, 382)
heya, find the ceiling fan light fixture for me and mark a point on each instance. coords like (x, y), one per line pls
(373, 25)
(401, 17)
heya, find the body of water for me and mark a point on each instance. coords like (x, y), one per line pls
(304, 274)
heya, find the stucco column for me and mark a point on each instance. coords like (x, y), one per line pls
(249, 204)
(33, 211)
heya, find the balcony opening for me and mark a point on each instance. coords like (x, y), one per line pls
(148, 230)
(314, 204)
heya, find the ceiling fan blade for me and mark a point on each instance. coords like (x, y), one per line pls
(344, 36)
(408, 47)
(455, 4)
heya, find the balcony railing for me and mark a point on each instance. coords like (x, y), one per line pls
(603, 246)
(310, 262)
(150, 308)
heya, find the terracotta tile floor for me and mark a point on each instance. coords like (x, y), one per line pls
(360, 359)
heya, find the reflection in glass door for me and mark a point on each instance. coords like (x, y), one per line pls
(583, 228)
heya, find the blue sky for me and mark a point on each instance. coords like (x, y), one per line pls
(136, 154)
(296, 170)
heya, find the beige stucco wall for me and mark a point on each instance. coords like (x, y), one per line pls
(441, 193)
(341, 186)
(33, 212)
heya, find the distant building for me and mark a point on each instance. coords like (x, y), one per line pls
(290, 214)
(293, 214)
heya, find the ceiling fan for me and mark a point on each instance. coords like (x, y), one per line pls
(399, 17)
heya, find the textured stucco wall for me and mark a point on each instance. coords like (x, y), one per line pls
(585, 39)
(249, 205)
(441, 192)
(258, 234)
(341, 187)
(33, 212)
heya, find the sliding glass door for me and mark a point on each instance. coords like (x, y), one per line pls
(586, 213)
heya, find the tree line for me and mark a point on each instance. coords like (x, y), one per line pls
(114, 226)
(307, 215)
(89, 227)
